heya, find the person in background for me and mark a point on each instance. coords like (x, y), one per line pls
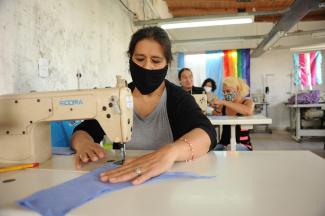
(209, 86)
(61, 132)
(166, 119)
(185, 77)
(235, 103)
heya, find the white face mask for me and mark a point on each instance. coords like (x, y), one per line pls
(207, 89)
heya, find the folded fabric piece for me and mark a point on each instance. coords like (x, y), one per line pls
(59, 200)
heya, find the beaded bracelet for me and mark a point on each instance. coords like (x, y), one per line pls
(191, 149)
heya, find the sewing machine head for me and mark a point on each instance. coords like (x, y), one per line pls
(24, 119)
(202, 101)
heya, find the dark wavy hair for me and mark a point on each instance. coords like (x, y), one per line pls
(154, 33)
(181, 71)
(214, 86)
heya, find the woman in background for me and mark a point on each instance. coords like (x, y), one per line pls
(235, 103)
(185, 77)
(209, 86)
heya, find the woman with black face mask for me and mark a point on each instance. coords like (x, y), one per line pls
(166, 118)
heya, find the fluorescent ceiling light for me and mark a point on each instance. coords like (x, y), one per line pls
(207, 22)
(318, 35)
(273, 40)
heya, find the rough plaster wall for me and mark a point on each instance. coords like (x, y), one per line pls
(90, 37)
(280, 64)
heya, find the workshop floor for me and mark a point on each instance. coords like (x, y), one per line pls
(281, 140)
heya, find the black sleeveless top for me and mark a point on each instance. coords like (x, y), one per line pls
(242, 135)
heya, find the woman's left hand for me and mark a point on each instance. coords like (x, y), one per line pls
(140, 169)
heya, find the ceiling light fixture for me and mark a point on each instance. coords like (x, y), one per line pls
(207, 22)
(318, 34)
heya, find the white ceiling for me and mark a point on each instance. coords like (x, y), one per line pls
(237, 31)
(221, 31)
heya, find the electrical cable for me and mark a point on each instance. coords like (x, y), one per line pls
(134, 14)
(143, 10)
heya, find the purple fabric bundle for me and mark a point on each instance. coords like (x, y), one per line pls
(311, 97)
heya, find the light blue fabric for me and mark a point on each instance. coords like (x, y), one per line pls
(59, 200)
(296, 69)
(246, 65)
(180, 60)
(319, 67)
(61, 132)
(214, 70)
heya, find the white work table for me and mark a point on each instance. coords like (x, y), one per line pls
(245, 122)
(254, 183)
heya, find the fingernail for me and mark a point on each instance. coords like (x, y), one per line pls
(95, 159)
(85, 159)
(104, 178)
(101, 155)
(102, 174)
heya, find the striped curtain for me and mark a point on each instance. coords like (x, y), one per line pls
(307, 69)
(214, 69)
(237, 64)
(180, 60)
(217, 64)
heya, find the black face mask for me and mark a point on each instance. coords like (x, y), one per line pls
(146, 80)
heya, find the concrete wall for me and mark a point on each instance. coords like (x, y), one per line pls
(89, 37)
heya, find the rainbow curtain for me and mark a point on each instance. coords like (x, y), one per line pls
(307, 69)
(222, 63)
(236, 63)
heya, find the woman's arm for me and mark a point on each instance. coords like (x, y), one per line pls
(86, 149)
(85, 139)
(246, 108)
(185, 115)
(197, 143)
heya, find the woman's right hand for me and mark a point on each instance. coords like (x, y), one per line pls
(88, 151)
(217, 103)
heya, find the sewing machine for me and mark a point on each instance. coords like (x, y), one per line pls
(202, 101)
(24, 119)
